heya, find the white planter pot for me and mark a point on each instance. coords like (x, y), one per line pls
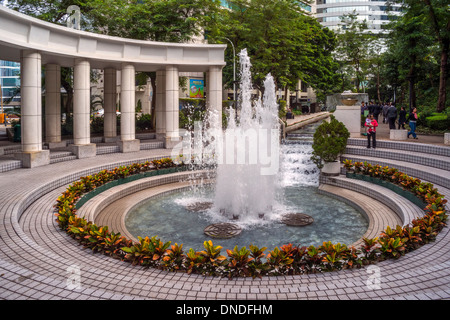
(331, 168)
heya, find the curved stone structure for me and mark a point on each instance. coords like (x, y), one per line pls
(61, 45)
(35, 43)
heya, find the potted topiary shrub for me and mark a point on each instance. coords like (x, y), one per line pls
(330, 141)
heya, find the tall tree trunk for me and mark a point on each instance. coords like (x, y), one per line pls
(378, 85)
(444, 44)
(412, 91)
(286, 98)
(443, 78)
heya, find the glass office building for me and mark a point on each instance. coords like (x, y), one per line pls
(10, 83)
(328, 12)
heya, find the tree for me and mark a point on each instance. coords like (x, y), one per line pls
(435, 15)
(408, 45)
(281, 40)
(353, 40)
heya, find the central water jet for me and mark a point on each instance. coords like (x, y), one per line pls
(248, 164)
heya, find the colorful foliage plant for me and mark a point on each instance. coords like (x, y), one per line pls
(253, 262)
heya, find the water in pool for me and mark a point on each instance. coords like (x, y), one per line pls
(169, 219)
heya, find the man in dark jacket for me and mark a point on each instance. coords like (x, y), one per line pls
(402, 118)
(391, 115)
(376, 111)
(385, 109)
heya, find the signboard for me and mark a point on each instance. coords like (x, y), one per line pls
(196, 88)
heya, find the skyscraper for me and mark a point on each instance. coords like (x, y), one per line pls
(328, 12)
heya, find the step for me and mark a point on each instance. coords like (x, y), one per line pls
(145, 136)
(61, 159)
(11, 149)
(433, 160)
(107, 149)
(407, 146)
(60, 154)
(434, 175)
(405, 209)
(148, 144)
(9, 164)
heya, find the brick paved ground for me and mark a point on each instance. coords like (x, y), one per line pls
(36, 258)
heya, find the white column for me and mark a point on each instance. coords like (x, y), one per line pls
(214, 95)
(32, 154)
(128, 143)
(53, 104)
(82, 148)
(109, 104)
(172, 106)
(160, 103)
(81, 102)
(31, 111)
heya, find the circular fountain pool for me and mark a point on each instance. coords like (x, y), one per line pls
(169, 218)
(258, 181)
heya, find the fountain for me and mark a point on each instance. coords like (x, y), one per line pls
(246, 176)
(257, 190)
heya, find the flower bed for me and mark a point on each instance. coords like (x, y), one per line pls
(252, 261)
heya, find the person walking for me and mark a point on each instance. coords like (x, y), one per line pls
(413, 123)
(376, 111)
(371, 107)
(402, 118)
(372, 131)
(391, 116)
(385, 109)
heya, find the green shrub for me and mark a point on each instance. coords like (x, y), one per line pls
(144, 122)
(97, 124)
(282, 110)
(330, 141)
(438, 122)
(190, 102)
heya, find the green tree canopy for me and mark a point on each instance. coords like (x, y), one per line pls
(281, 40)
(353, 49)
(433, 19)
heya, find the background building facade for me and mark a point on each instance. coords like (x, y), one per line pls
(10, 85)
(328, 12)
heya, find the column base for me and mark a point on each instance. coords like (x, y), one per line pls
(129, 145)
(111, 139)
(60, 144)
(33, 159)
(171, 142)
(160, 136)
(83, 150)
(447, 138)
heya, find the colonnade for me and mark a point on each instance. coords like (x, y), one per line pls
(167, 107)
